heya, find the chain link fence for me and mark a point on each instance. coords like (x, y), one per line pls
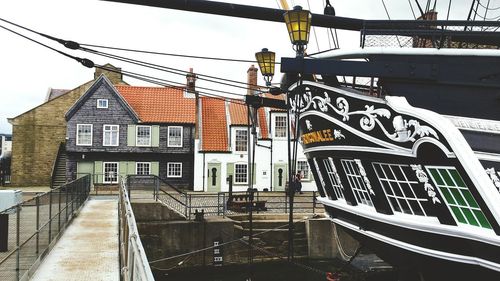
(36, 223)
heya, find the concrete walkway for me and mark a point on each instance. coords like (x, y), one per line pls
(88, 250)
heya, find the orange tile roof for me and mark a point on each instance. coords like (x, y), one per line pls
(263, 123)
(214, 125)
(238, 113)
(159, 104)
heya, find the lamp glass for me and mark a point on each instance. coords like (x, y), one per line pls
(298, 23)
(266, 61)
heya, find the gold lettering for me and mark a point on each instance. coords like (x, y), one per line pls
(318, 136)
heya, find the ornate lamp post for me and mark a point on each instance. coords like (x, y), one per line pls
(266, 60)
(298, 23)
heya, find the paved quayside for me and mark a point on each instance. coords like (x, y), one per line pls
(88, 250)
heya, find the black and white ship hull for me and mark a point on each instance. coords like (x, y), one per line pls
(404, 180)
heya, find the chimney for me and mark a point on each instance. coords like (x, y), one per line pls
(191, 89)
(114, 74)
(190, 81)
(252, 80)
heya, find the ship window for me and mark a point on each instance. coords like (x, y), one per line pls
(357, 182)
(322, 188)
(331, 171)
(406, 195)
(458, 198)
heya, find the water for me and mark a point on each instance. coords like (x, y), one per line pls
(273, 271)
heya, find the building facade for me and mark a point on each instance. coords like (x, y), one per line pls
(38, 133)
(222, 149)
(127, 130)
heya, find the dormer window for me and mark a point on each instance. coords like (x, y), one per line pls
(102, 103)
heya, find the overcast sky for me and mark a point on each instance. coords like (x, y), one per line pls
(28, 70)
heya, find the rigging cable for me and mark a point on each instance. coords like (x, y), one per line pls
(389, 17)
(313, 28)
(154, 80)
(168, 82)
(85, 62)
(159, 67)
(169, 54)
(491, 9)
(449, 8)
(412, 11)
(76, 46)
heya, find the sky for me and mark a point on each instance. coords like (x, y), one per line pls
(28, 70)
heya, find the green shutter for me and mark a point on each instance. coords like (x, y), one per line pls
(230, 170)
(131, 168)
(122, 168)
(155, 168)
(155, 136)
(98, 172)
(131, 135)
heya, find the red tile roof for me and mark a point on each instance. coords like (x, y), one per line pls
(238, 113)
(159, 104)
(263, 123)
(214, 125)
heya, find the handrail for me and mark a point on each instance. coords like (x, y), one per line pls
(170, 185)
(133, 260)
(56, 162)
(51, 211)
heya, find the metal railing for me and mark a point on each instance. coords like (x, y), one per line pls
(133, 261)
(213, 204)
(34, 225)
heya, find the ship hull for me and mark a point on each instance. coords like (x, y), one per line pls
(402, 180)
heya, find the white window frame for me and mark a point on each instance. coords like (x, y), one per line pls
(142, 163)
(168, 135)
(91, 135)
(104, 172)
(235, 177)
(137, 135)
(334, 178)
(104, 135)
(276, 116)
(357, 183)
(308, 170)
(389, 184)
(169, 175)
(245, 130)
(102, 100)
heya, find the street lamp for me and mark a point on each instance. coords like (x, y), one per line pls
(266, 60)
(298, 23)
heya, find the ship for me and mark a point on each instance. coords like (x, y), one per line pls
(408, 161)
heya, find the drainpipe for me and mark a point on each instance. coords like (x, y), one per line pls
(203, 170)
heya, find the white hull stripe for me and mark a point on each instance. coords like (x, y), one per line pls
(425, 224)
(421, 250)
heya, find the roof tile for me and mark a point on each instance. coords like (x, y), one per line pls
(214, 124)
(159, 104)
